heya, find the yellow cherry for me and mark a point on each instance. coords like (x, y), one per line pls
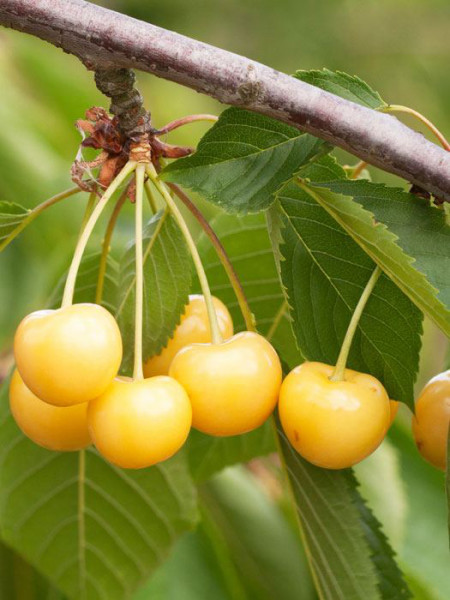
(53, 427)
(333, 424)
(193, 328)
(233, 386)
(138, 423)
(431, 420)
(70, 355)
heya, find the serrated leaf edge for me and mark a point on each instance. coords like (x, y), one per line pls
(368, 218)
(354, 78)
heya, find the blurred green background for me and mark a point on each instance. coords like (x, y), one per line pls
(400, 47)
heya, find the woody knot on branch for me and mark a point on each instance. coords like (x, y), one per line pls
(119, 137)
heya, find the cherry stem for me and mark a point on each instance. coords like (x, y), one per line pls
(139, 295)
(185, 121)
(414, 113)
(151, 199)
(212, 316)
(106, 245)
(223, 257)
(84, 237)
(35, 212)
(339, 370)
(92, 199)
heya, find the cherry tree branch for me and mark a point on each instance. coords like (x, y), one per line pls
(104, 39)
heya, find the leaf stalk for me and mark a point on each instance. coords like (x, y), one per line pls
(36, 211)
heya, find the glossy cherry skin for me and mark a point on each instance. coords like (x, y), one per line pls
(233, 386)
(333, 424)
(136, 424)
(68, 356)
(193, 328)
(53, 427)
(431, 420)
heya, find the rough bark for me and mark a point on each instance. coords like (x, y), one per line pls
(104, 39)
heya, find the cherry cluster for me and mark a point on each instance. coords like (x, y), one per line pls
(66, 394)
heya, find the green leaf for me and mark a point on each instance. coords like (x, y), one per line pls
(86, 284)
(11, 216)
(324, 272)
(407, 237)
(131, 518)
(167, 282)
(325, 169)
(207, 454)
(19, 580)
(349, 87)
(391, 582)
(348, 553)
(8, 584)
(244, 159)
